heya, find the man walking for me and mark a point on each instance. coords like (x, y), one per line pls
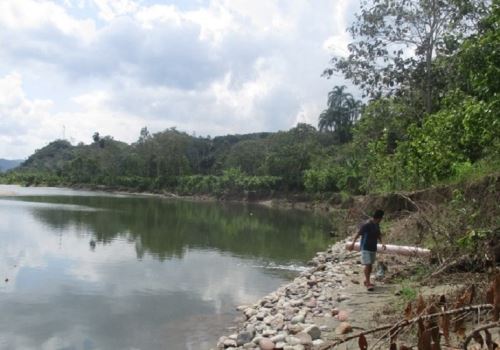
(370, 236)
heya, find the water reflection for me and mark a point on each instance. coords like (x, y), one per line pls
(165, 228)
(162, 275)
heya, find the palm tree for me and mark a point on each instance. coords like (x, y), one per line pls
(340, 115)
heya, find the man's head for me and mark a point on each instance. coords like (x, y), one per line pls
(378, 215)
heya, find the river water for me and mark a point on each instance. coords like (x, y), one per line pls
(89, 270)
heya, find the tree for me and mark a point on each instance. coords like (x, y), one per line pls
(395, 42)
(340, 115)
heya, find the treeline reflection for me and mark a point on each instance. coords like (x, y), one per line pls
(166, 228)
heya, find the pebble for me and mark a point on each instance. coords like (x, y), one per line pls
(342, 315)
(313, 331)
(266, 344)
(244, 338)
(285, 318)
(298, 319)
(343, 328)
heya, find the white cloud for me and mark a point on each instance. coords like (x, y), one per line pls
(221, 66)
(36, 15)
(110, 9)
(23, 122)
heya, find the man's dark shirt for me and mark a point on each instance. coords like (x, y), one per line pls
(370, 232)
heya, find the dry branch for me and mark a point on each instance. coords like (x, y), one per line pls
(404, 323)
(476, 331)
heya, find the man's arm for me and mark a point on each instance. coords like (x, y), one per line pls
(355, 239)
(380, 241)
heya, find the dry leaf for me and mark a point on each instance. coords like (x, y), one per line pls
(496, 298)
(468, 295)
(436, 346)
(424, 341)
(420, 304)
(408, 312)
(363, 344)
(404, 347)
(490, 293)
(445, 327)
(460, 332)
(393, 346)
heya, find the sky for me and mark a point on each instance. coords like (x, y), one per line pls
(69, 68)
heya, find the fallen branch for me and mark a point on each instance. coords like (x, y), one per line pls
(448, 264)
(395, 327)
(477, 330)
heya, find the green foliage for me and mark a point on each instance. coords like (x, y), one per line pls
(342, 112)
(408, 293)
(384, 32)
(472, 238)
(233, 181)
(290, 155)
(249, 156)
(449, 139)
(433, 118)
(320, 180)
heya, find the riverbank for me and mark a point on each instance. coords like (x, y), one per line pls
(328, 301)
(321, 304)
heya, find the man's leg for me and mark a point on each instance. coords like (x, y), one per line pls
(368, 272)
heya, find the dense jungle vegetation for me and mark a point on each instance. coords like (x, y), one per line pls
(430, 76)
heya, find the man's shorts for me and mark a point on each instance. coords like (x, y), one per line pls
(368, 257)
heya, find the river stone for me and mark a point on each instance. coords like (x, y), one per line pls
(292, 340)
(278, 338)
(280, 345)
(342, 316)
(269, 332)
(257, 339)
(278, 321)
(294, 328)
(311, 303)
(304, 338)
(266, 344)
(260, 327)
(318, 342)
(268, 319)
(298, 319)
(242, 307)
(220, 342)
(313, 331)
(342, 297)
(230, 342)
(250, 312)
(243, 338)
(343, 328)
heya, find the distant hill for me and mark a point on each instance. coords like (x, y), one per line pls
(6, 164)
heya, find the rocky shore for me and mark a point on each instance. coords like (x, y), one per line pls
(322, 303)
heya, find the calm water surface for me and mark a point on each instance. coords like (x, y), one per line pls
(86, 270)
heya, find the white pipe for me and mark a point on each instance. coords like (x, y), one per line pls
(395, 249)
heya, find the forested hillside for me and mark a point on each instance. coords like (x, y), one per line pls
(430, 114)
(6, 164)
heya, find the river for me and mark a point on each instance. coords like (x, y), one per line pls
(89, 270)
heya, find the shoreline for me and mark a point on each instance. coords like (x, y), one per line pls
(319, 207)
(322, 303)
